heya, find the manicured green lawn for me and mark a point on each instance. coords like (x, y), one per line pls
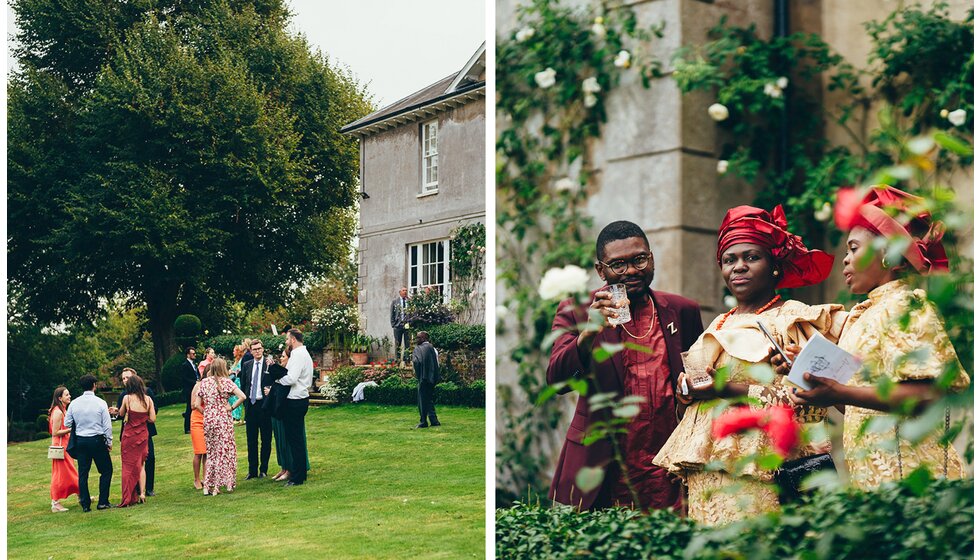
(377, 489)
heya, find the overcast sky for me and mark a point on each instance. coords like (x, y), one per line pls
(397, 47)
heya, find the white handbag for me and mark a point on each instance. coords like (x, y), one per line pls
(56, 452)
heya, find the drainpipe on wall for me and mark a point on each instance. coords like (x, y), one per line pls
(781, 29)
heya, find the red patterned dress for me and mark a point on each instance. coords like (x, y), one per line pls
(219, 434)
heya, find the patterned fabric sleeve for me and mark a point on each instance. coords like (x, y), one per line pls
(769, 396)
(920, 349)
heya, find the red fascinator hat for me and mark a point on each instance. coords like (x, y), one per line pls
(880, 211)
(800, 266)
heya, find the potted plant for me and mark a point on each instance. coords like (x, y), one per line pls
(360, 345)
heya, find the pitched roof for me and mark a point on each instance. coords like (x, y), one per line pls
(455, 89)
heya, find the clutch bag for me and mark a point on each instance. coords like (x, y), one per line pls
(790, 476)
(56, 452)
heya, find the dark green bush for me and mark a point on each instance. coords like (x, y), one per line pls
(392, 391)
(186, 330)
(224, 345)
(41, 435)
(42, 422)
(916, 518)
(452, 336)
(170, 374)
(169, 398)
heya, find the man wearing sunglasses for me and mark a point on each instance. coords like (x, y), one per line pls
(662, 326)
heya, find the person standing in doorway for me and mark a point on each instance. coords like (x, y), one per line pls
(399, 318)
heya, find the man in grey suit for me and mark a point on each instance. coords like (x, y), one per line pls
(399, 316)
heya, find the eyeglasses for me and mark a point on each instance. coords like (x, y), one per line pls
(639, 262)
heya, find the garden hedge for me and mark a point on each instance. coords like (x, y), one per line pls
(473, 396)
(916, 518)
(452, 336)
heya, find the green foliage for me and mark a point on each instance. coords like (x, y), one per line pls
(42, 422)
(426, 309)
(170, 375)
(913, 519)
(452, 336)
(468, 246)
(224, 345)
(392, 391)
(543, 171)
(169, 398)
(187, 329)
(156, 148)
(345, 379)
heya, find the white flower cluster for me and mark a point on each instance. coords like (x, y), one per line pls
(775, 89)
(598, 28)
(590, 86)
(524, 34)
(718, 112)
(558, 283)
(328, 390)
(336, 318)
(545, 78)
(956, 118)
(622, 60)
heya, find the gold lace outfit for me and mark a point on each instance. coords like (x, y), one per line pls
(740, 345)
(920, 351)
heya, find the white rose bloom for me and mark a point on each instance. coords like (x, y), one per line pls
(563, 282)
(921, 145)
(502, 312)
(590, 100)
(782, 82)
(718, 112)
(545, 78)
(591, 85)
(599, 29)
(957, 117)
(564, 184)
(622, 60)
(722, 166)
(824, 213)
(524, 34)
(772, 90)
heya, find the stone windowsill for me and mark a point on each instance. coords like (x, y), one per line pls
(427, 193)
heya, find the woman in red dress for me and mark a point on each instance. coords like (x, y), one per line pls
(219, 430)
(64, 477)
(137, 408)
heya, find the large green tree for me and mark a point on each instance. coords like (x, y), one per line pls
(158, 150)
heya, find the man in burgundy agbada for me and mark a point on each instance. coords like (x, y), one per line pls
(665, 323)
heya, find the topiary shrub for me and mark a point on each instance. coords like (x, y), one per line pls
(170, 375)
(42, 422)
(187, 328)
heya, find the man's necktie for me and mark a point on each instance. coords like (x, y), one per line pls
(255, 380)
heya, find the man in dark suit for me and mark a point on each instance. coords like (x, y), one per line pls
(150, 464)
(667, 324)
(255, 376)
(188, 378)
(425, 360)
(399, 311)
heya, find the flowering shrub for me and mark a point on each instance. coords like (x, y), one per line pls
(329, 390)
(559, 283)
(427, 309)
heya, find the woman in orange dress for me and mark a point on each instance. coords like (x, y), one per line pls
(64, 476)
(197, 433)
(137, 408)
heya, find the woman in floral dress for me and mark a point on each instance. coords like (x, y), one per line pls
(219, 431)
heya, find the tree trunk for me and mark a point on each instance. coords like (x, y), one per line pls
(161, 306)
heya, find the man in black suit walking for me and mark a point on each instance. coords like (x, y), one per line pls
(188, 378)
(150, 465)
(255, 376)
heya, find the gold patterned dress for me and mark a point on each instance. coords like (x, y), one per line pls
(919, 351)
(717, 496)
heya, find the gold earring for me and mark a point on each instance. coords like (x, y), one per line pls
(884, 263)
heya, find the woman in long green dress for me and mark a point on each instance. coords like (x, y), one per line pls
(283, 453)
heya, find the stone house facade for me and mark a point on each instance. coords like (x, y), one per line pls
(422, 174)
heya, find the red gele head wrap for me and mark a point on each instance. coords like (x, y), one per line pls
(800, 266)
(874, 211)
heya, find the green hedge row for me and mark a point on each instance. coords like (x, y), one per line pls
(445, 394)
(453, 336)
(916, 518)
(168, 398)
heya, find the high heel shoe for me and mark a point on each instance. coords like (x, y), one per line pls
(141, 499)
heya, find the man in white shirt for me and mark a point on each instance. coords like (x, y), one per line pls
(299, 377)
(89, 415)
